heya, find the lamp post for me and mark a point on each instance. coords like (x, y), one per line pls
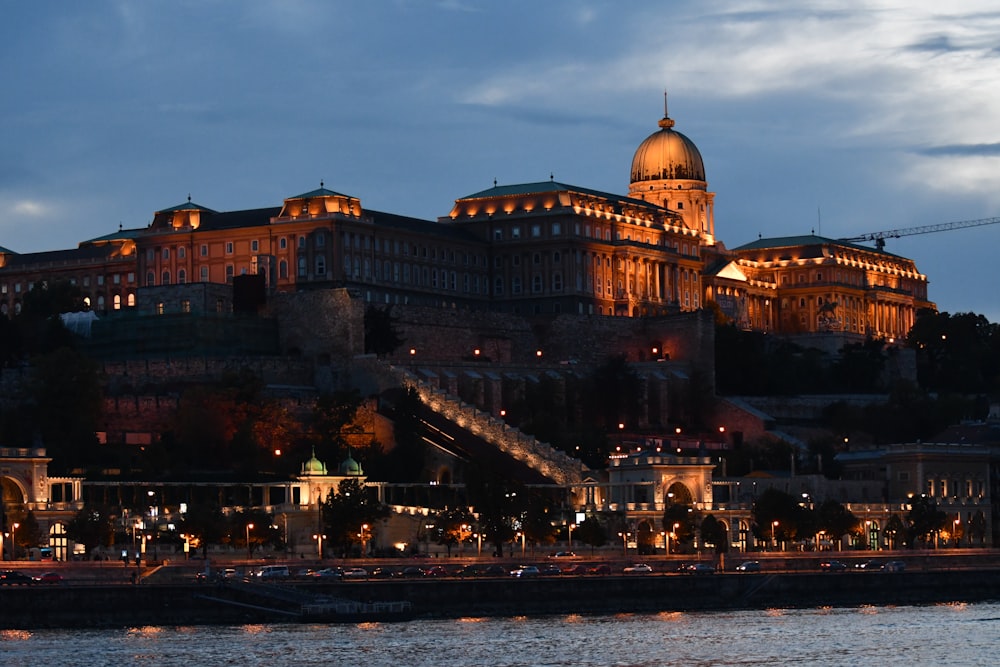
(955, 532)
(624, 537)
(13, 540)
(249, 528)
(364, 527)
(319, 544)
(774, 526)
(570, 528)
(479, 539)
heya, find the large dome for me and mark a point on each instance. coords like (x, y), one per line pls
(667, 155)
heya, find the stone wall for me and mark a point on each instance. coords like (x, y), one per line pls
(321, 324)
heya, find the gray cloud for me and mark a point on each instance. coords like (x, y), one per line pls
(989, 150)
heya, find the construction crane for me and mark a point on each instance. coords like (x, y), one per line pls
(880, 237)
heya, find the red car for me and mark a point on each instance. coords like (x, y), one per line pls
(49, 578)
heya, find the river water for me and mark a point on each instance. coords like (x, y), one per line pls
(952, 634)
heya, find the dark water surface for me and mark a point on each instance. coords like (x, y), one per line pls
(951, 634)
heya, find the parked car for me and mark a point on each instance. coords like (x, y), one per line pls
(436, 571)
(329, 573)
(603, 568)
(49, 578)
(749, 566)
(525, 571)
(700, 568)
(409, 572)
(869, 565)
(354, 573)
(638, 568)
(550, 570)
(563, 554)
(579, 568)
(832, 566)
(894, 566)
(274, 572)
(496, 571)
(14, 578)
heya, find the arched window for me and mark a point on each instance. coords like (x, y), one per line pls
(302, 267)
(118, 302)
(181, 276)
(283, 268)
(320, 265)
(131, 300)
(165, 278)
(150, 279)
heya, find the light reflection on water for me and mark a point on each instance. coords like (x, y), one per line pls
(957, 634)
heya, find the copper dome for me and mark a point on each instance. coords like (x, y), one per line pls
(667, 155)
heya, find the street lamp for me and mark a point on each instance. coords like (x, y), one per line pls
(774, 526)
(364, 527)
(955, 532)
(249, 528)
(319, 544)
(479, 539)
(13, 540)
(624, 537)
(570, 528)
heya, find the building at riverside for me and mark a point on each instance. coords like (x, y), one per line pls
(640, 268)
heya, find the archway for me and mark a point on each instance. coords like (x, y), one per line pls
(677, 494)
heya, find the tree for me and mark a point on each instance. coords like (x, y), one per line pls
(452, 526)
(381, 335)
(924, 520)
(778, 516)
(714, 532)
(895, 529)
(592, 533)
(346, 510)
(205, 524)
(835, 520)
(91, 527)
(678, 521)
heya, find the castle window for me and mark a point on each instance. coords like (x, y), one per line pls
(182, 252)
(118, 302)
(204, 274)
(100, 302)
(229, 247)
(536, 259)
(320, 240)
(536, 231)
(230, 272)
(557, 282)
(302, 267)
(498, 234)
(498, 286)
(515, 285)
(186, 306)
(680, 206)
(556, 229)
(302, 243)
(515, 232)
(283, 243)
(181, 276)
(321, 266)
(150, 279)
(254, 245)
(282, 269)
(556, 257)
(536, 284)
(204, 250)
(166, 253)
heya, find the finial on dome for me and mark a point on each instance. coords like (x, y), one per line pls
(321, 184)
(189, 197)
(666, 121)
(494, 182)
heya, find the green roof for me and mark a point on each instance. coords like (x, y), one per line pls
(321, 192)
(808, 239)
(116, 236)
(186, 206)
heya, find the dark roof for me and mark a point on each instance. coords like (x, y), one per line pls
(556, 186)
(418, 225)
(256, 217)
(83, 254)
(5, 251)
(805, 240)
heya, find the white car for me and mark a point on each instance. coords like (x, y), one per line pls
(638, 568)
(355, 573)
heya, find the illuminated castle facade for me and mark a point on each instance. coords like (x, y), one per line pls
(532, 249)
